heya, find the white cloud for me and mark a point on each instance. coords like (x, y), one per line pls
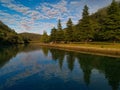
(44, 11)
(57, 10)
(8, 18)
(24, 24)
(11, 4)
(6, 1)
(31, 19)
(17, 7)
(28, 21)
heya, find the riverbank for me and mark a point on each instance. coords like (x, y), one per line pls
(106, 49)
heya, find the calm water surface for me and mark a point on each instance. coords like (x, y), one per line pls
(42, 68)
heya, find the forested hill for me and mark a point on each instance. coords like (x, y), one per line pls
(4, 28)
(104, 25)
(31, 36)
(9, 36)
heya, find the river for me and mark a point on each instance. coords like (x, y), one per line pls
(42, 68)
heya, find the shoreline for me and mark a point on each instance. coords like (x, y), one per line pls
(110, 52)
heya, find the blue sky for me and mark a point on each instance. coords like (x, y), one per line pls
(35, 16)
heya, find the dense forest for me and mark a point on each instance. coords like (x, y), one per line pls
(104, 25)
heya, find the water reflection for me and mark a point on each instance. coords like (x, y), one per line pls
(6, 54)
(56, 69)
(107, 65)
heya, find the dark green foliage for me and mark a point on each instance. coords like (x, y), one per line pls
(9, 36)
(97, 24)
(60, 33)
(57, 35)
(111, 25)
(85, 13)
(45, 37)
(53, 35)
(85, 26)
(69, 31)
(59, 25)
(104, 25)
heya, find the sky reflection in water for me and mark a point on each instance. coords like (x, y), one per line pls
(41, 68)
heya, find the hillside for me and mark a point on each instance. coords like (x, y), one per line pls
(9, 36)
(31, 36)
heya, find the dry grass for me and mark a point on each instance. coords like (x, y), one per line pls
(95, 45)
(107, 49)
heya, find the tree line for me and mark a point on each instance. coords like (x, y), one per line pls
(104, 25)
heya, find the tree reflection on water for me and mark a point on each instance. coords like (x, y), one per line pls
(108, 66)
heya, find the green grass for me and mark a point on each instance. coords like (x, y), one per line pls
(95, 45)
(99, 48)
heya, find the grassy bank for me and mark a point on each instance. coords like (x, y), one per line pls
(106, 49)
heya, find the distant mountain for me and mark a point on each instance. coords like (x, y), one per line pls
(31, 36)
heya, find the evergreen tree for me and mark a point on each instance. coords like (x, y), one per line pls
(59, 25)
(60, 33)
(75, 35)
(53, 36)
(112, 22)
(85, 13)
(119, 4)
(104, 25)
(69, 31)
(45, 37)
(98, 18)
(85, 29)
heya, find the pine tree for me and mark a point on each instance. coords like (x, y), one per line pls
(59, 25)
(119, 4)
(85, 13)
(60, 33)
(85, 29)
(69, 31)
(112, 22)
(53, 36)
(45, 37)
